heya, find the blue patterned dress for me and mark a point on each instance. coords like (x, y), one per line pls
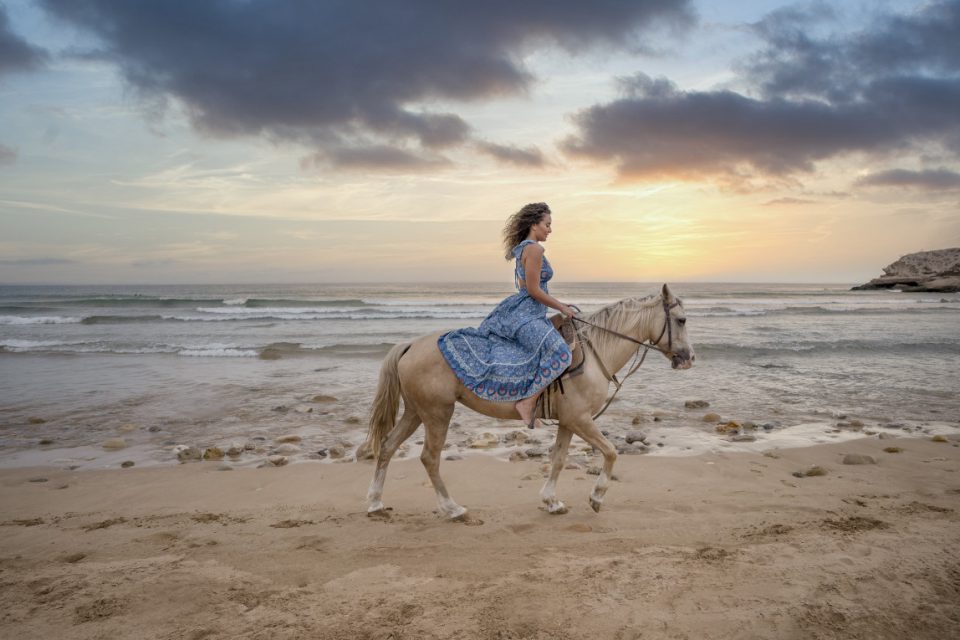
(515, 352)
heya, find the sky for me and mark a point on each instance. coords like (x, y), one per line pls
(273, 141)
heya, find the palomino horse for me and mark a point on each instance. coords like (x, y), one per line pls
(418, 372)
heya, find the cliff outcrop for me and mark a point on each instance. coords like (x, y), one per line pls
(937, 271)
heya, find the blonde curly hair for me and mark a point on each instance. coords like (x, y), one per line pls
(518, 225)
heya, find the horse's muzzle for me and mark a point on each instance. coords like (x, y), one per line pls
(682, 360)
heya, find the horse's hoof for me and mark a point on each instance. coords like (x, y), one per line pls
(595, 504)
(460, 515)
(383, 513)
(558, 509)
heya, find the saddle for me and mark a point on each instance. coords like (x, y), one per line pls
(547, 402)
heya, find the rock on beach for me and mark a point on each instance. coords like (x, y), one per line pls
(924, 271)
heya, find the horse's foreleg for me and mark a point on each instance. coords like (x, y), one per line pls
(435, 428)
(586, 429)
(404, 429)
(559, 455)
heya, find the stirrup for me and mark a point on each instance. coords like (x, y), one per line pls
(536, 409)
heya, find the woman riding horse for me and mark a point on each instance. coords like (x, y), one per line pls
(515, 352)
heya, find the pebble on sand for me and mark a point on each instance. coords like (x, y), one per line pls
(485, 440)
(696, 404)
(213, 453)
(815, 470)
(126, 464)
(323, 398)
(744, 437)
(286, 449)
(36, 420)
(712, 417)
(939, 439)
(635, 436)
(277, 461)
(187, 454)
(728, 427)
(893, 449)
(336, 451)
(290, 438)
(115, 443)
(857, 458)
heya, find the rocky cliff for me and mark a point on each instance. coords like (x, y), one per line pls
(922, 271)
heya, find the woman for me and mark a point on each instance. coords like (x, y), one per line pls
(515, 352)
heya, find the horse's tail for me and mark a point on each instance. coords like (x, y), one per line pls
(386, 403)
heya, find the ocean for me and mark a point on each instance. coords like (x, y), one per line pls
(162, 367)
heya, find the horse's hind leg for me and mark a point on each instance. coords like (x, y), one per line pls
(408, 423)
(559, 455)
(435, 430)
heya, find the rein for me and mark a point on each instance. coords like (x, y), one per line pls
(667, 329)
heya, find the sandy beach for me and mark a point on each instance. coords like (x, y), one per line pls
(721, 545)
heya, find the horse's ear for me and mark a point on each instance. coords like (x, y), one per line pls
(667, 294)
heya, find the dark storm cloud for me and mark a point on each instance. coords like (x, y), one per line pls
(932, 179)
(16, 54)
(336, 74)
(819, 97)
(374, 157)
(523, 157)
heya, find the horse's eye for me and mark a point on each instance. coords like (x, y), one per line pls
(681, 321)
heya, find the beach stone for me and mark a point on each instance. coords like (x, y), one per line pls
(696, 404)
(516, 456)
(320, 397)
(815, 470)
(126, 464)
(744, 437)
(37, 479)
(728, 427)
(188, 454)
(46, 441)
(249, 446)
(637, 419)
(281, 409)
(291, 438)
(73, 558)
(336, 451)
(213, 453)
(748, 425)
(235, 451)
(114, 444)
(456, 456)
(277, 461)
(893, 449)
(635, 436)
(535, 452)
(154, 428)
(516, 438)
(768, 426)
(797, 474)
(532, 476)
(353, 420)
(286, 449)
(572, 466)
(711, 417)
(36, 420)
(857, 458)
(129, 428)
(484, 441)
(939, 439)
(594, 470)
(886, 436)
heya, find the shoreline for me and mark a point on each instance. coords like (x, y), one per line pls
(720, 545)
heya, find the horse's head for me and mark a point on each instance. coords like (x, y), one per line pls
(673, 340)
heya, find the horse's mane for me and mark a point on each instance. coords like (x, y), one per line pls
(623, 316)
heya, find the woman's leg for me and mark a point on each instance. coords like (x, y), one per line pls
(525, 408)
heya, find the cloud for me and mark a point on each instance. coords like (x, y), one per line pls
(787, 201)
(36, 262)
(7, 155)
(818, 98)
(16, 54)
(334, 75)
(527, 157)
(932, 179)
(375, 157)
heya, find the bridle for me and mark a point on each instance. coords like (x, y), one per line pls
(667, 329)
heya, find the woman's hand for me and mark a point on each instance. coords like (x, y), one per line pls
(567, 310)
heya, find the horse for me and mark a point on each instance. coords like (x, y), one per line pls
(418, 372)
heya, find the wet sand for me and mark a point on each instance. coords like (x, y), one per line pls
(721, 545)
